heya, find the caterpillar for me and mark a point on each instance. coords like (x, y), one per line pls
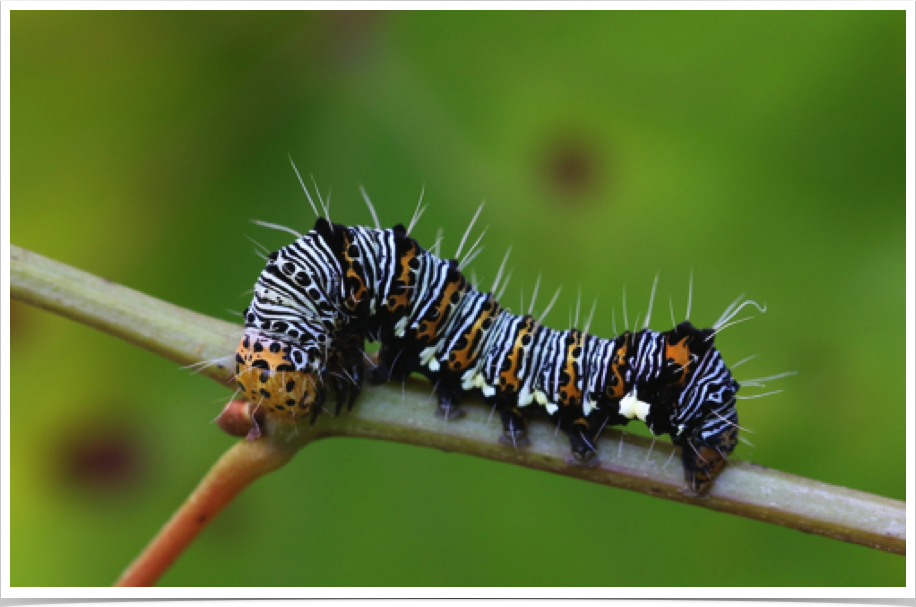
(321, 297)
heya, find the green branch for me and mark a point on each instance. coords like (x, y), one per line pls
(387, 413)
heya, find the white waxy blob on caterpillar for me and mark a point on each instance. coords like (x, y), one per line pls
(631, 406)
(427, 358)
(400, 327)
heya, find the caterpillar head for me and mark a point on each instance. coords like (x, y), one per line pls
(276, 375)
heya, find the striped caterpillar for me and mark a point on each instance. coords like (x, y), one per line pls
(321, 297)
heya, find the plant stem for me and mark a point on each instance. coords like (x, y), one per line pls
(242, 464)
(168, 330)
(388, 413)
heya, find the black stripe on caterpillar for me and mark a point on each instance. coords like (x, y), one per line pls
(320, 297)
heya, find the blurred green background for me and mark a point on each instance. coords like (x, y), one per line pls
(762, 150)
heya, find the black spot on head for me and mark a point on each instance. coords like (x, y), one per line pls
(526, 340)
(577, 351)
(352, 251)
(486, 323)
(414, 263)
(250, 319)
(273, 256)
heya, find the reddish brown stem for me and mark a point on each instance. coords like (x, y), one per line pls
(241, 465)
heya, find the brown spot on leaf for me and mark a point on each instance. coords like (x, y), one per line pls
(103, 456)
(353, 36)
(572, 167)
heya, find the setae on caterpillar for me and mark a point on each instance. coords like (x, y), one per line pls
(320, 297)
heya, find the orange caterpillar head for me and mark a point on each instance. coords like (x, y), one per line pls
(275, 375)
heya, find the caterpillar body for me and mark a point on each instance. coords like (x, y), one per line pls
(321, 297)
